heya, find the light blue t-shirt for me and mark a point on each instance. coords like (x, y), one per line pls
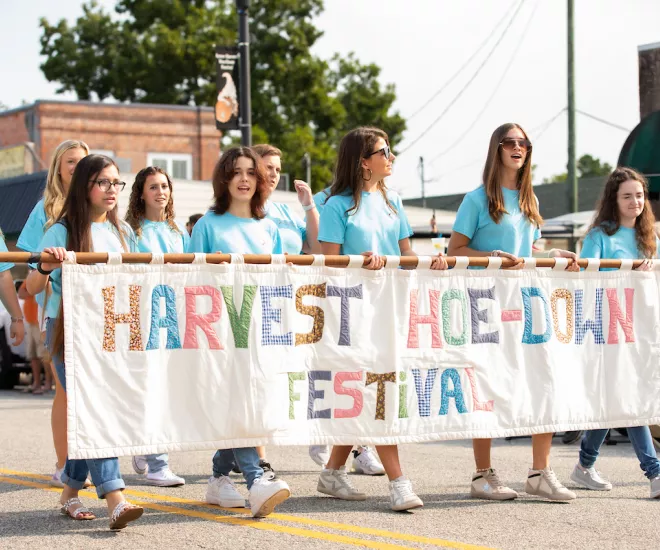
(4, 266)
(229, 234)
(620, 246)
(104, 239)
(160, 237)
(293, 230)
(320, 198)
(33, 230)
(374, 227)
(514, 234)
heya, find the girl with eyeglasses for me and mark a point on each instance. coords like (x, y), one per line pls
(363, 217)
(237, 223)
(623, 228)
(501, 218)
(88, 222)
(43, 215)
(150, 214)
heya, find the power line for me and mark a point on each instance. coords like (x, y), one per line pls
(457, 141)
(465, 87)
(603, 121)
(543, 126)
(464, 66)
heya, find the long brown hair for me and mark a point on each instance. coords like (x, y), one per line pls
(54, 193)
(76, 217)
(492, 175)
(349, 175)
(223, 174)
(137, 208)
(607, 214)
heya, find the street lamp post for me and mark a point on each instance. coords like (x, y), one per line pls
(245, 121)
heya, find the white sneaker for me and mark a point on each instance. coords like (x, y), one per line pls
(265, 494)
(336, 484)
(56, 480)
(164, 478)
(365, 461)
(544, 483)
(402, 495)
(320, 454)
(140, 464)
(590, 478)
(222, 491)
(655, 487)
(487, 485)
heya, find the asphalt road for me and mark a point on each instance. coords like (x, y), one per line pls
(178, 518)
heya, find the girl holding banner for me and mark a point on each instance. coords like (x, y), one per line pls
(150, 214)
(87, 222)
(237, 223)
(622, 229)
(362, 216)
(501, 218)
(43, 215)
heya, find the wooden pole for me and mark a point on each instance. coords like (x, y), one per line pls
(264, 259)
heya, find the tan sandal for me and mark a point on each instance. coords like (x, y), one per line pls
(80, 514)
(123, 514)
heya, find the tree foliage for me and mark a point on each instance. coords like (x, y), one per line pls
(162, 51)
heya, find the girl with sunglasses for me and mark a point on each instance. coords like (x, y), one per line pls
(88, 222)
(43, 215)
(237, 223)
(362, 216)
(150, 214)
(624, 228)
(501, 218)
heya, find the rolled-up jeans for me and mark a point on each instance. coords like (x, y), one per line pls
(104, 471)
(640, 437)
(246, 458)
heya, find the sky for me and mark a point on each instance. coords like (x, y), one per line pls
(420, 45)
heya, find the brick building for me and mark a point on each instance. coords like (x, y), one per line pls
(183, 140)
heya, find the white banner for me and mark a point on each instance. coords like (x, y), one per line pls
(183, 357)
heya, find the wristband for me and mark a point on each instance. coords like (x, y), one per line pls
(309, 207)
(17, 319)
(42, 270)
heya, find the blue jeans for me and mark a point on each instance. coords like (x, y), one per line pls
(157, 462)
(246, 458)
(640, 437)
(104, 471)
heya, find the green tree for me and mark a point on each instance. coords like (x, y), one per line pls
(161, 51)
(587, 167)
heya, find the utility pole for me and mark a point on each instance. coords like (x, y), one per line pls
(245, 121)
(572, 167)
(421, 175)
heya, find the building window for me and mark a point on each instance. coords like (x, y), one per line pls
(178, 166)
(105, 152)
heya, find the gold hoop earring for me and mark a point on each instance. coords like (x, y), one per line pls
(370, 174)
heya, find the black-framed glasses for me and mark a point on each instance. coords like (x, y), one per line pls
(509, 144)
(387, 152)
(105, 185)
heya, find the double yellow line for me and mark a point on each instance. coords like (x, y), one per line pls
(262, 525)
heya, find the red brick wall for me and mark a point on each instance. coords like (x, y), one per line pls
(649, 79)
(129, 131)
(12, 129)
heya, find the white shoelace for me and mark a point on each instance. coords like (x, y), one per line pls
(343, 477)
(552, 480)
(404, 488)
(494, 479)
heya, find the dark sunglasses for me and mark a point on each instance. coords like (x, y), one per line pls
(509, 144)
(387, 152)
(105, 185)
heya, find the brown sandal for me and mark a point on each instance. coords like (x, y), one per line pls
(80, 514)
(123, 514)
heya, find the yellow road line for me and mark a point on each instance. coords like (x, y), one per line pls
(289, 518)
